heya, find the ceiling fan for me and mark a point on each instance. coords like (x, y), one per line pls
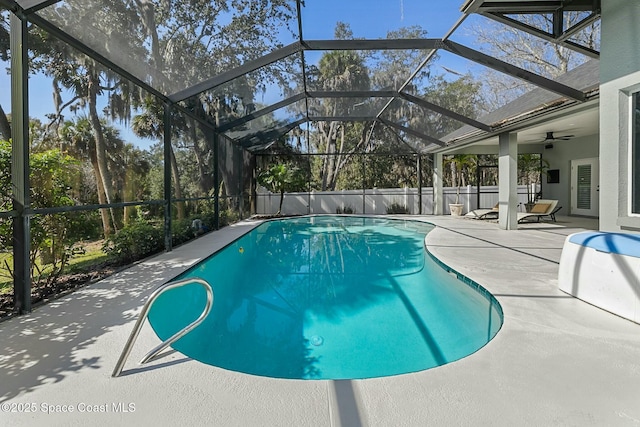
(550, 138)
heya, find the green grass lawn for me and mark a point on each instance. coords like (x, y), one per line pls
(77, 264)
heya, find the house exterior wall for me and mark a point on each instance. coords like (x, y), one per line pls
(559, 157)
(620, 77)
(619, 39)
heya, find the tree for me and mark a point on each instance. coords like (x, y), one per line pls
(131, 178)
(391, 68)
(339, 71)
(189, 42)
(381, 70)
(281, 178)
(76, 138)
(88, 82)
(53, 176)
(215, 41)
(461, 95)
(459, 164)
(530, 169)
(346, 71)
(149, 124)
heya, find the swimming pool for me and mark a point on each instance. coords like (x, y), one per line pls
(329, 297)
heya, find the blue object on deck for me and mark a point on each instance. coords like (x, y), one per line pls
(615, 243)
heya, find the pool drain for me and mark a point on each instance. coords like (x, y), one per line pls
(316, 340)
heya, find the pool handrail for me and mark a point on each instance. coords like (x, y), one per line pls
(143, 315)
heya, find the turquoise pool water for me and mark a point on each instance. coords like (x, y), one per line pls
(329, 297)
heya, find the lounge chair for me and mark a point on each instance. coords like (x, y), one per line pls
(483, 213)
(541, 209)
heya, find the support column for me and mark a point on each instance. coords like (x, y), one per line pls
(252, 185)
(438, 195)
(216, 178)
(419, 170)
(20, 164)
(508, 181)
(167, 177)
(364, 183)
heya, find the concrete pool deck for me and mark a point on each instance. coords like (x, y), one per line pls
(556, 360)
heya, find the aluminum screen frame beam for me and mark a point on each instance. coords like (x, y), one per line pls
(353, 94)
(561, 39)
(20, 166)
(271, 108)
(278, 132)
(575, 28)
(271, 134)
(415, 72)
(234, 73)
(524, 7)
(412, 132)
(445, 112)
(295, 47)
(342, 118)
(299, 97)
(76, 44)
(32, 6)
(10, 5)
(303, 60)
(512, 70)
(372, 44)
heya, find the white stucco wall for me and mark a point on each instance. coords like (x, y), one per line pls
(619, 76)
(619, 39)
(559, 157)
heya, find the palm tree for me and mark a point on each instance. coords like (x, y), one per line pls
(531, 167)
(339, 71)
(280, 178)
(133, 168)
(458, 164)
(77, 138)
(149, 124)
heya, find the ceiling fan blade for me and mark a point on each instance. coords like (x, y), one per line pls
(550, 137)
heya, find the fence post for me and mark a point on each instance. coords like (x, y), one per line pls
(438, 192)
(406, 197)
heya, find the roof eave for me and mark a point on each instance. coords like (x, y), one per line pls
(522, 120)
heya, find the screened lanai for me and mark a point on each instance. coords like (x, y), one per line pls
(167, 112)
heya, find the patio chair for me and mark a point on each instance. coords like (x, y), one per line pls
(540, 210)
(552, 214)
(483, 213)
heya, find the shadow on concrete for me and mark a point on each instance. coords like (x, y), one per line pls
(52, 343)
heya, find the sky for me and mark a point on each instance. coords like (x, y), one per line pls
(380, 16)
(319, 17)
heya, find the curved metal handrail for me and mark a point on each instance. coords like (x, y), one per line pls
(143, 315)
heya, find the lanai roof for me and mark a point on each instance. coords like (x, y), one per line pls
(534, 103)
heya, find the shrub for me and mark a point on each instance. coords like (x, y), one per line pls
(227, 217)
(181, 231)
(345, 210)
(135, 241)
(209, 219)
(397, 208)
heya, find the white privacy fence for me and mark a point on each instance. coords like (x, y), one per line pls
(377, 200)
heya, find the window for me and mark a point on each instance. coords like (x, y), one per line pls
(635, 154)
